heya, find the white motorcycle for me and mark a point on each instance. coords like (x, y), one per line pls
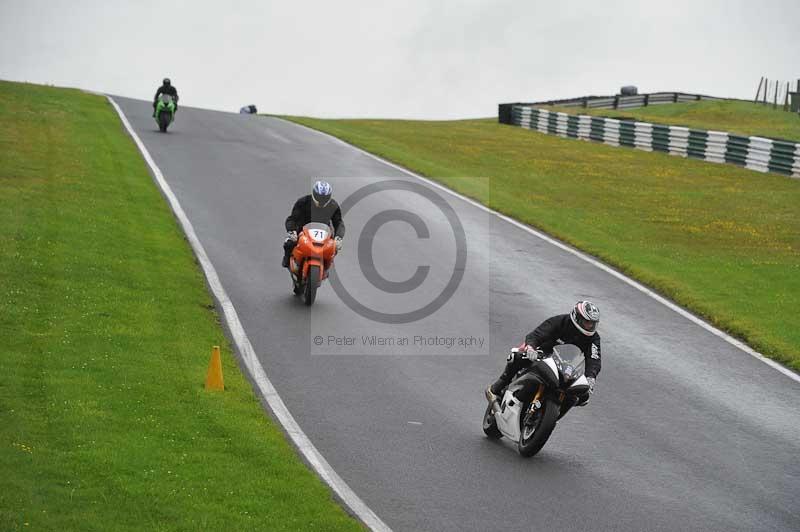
(536, 399)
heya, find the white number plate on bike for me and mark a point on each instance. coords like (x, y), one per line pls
(318, 235)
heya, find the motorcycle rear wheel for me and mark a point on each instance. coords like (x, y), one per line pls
(490, 425)
(532, 439)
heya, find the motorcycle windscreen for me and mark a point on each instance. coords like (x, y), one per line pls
(166, 98)
(317, 232)
(570, 361)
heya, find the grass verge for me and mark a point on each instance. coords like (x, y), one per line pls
(720, 240)
(744, 118)
(107, 329)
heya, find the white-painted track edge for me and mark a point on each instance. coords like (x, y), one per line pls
(257, 373)
(591, 260)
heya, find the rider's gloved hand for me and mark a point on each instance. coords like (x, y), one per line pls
(291, 235)
(531, 353)
(583, 400)
(338, 242)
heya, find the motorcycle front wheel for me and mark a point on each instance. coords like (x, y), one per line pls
(314, 278)
(534, 435)
(163, 121)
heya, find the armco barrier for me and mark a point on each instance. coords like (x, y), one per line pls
(755, 153)
(627, 102)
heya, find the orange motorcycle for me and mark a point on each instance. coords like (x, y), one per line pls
(311, 259)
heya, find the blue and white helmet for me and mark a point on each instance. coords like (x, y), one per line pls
(322, 193)
(585, 316)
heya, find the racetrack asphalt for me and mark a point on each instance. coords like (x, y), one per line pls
(685, 431)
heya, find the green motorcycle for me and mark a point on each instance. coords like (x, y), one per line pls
(165, 112)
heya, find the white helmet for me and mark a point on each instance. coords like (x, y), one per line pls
(322, 193)
(585, 316)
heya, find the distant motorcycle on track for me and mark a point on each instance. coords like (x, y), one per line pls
(535, 400)
(165, 112)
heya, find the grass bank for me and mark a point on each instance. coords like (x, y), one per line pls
(107, 329)
(720, 240)
(744, 118)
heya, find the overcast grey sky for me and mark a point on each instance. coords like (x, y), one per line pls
(404, 59)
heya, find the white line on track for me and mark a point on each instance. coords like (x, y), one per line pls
(242, 342)
(591, 260)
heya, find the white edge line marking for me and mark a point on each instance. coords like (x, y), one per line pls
(242, 342)
(591, 260)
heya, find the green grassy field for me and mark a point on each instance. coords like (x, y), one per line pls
(744, 118)
(718, 239)
(107, 329)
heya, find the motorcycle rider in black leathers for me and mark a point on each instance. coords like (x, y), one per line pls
(578, 328)
(166, 88)
(319, 206)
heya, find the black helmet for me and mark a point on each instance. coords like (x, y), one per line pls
(321, 193)
(585, 316)
(167, 82)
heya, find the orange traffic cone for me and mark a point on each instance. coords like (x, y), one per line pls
(214, 380)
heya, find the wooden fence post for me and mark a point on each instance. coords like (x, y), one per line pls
(786, 98)
(775, 101)
(759, 89)
(798, 97)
